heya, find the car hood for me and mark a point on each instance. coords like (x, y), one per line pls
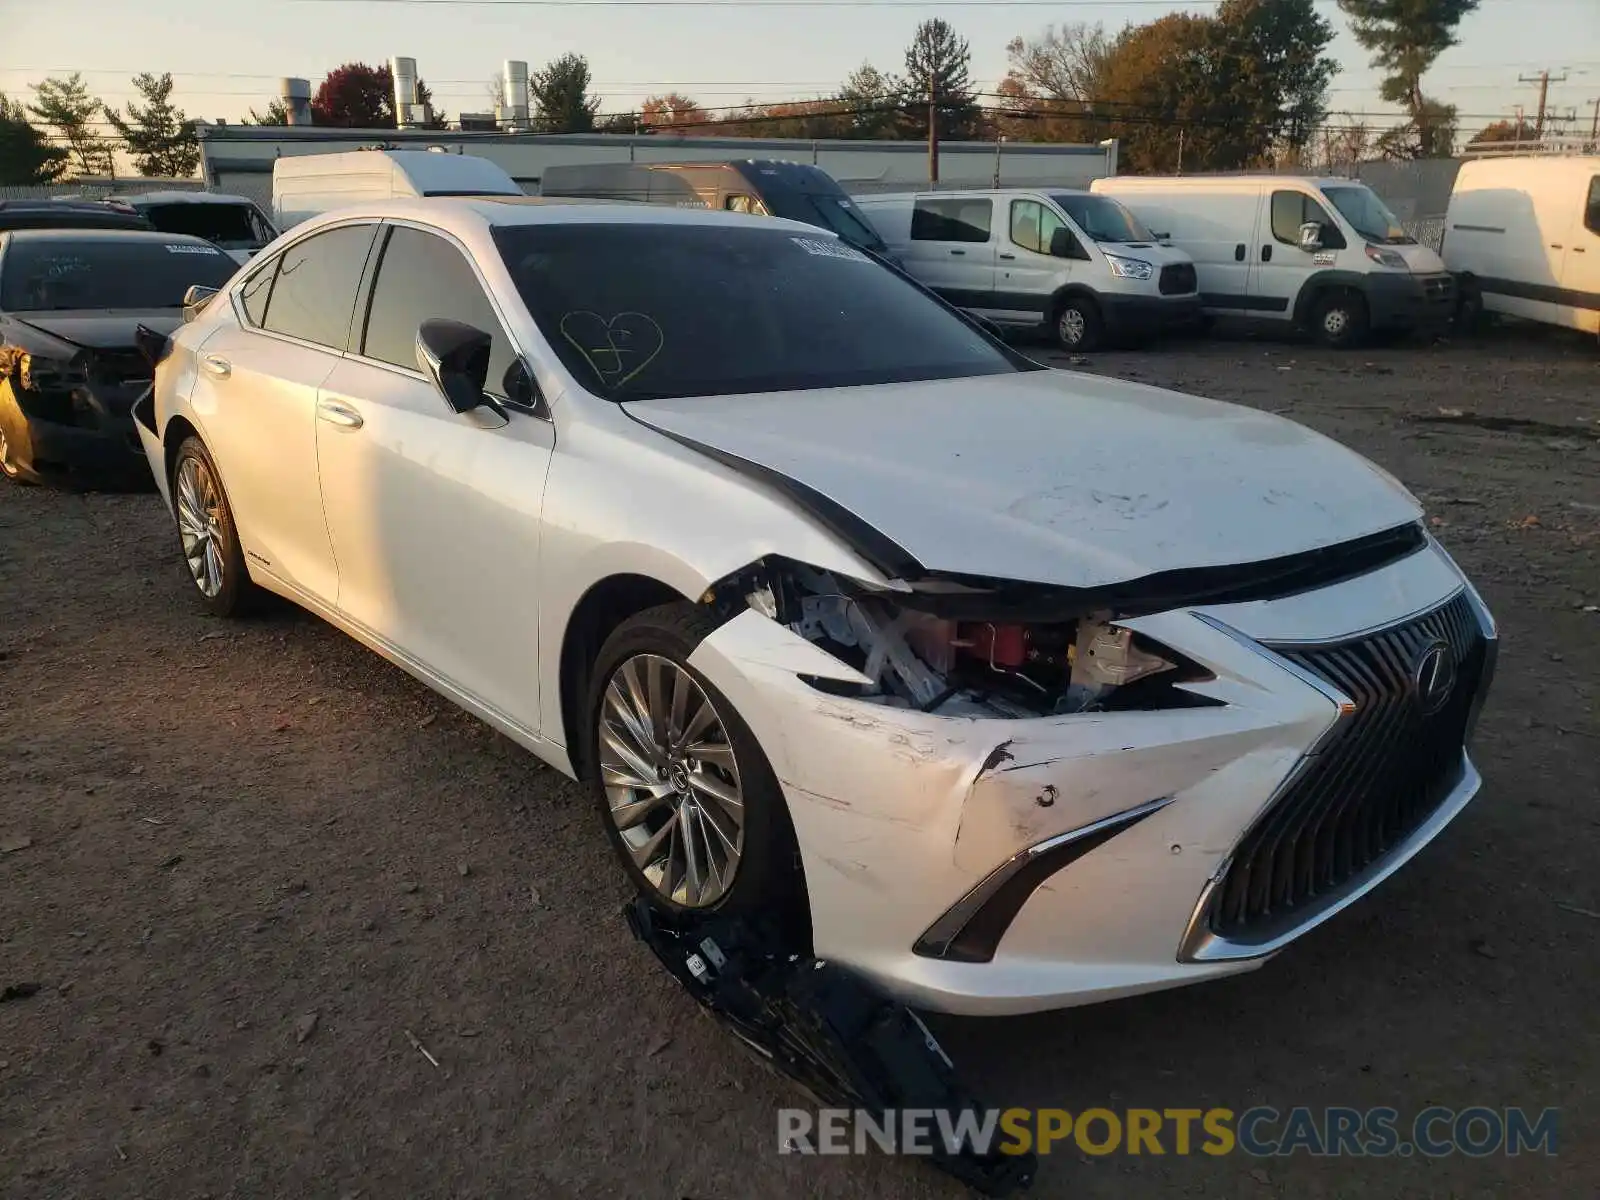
(1051, 476)
(100, 329)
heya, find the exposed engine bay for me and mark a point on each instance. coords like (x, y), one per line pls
(925, 650)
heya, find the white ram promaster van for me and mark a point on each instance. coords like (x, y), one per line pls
(1080, 265)
(304, 185)
(1320, 254)
(1523, 237)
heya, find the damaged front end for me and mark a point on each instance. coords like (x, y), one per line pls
(932, 646)
(845, 1044)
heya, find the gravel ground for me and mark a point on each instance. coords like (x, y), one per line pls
(259, 862)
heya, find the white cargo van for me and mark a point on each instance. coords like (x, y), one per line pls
(1523, 237)
(304, 185)
(1077, 264)
(1320, 254)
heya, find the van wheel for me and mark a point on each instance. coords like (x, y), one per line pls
(1469, 309)
(1339, 320)
(1077, 324)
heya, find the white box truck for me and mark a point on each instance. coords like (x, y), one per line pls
(1523, 237)
(1080, 266)
(1324, 255)
(306, 185)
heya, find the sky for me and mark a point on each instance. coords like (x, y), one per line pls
(226, 56)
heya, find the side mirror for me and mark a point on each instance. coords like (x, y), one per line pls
(1063, 244)
(1161, 237)
(1311, 236)
(195, 301)
(455, 357)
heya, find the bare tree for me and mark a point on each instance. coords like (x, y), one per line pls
(1065, 62)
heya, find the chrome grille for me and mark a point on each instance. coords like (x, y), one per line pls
(1380, 774)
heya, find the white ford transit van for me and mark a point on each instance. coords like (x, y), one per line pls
(1079, 265)
(305, 185)
(1523, 236)
(1320, 254)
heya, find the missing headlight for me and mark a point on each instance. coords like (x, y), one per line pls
(959, 666)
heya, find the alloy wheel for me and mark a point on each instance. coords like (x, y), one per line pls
(1335, 321)
(200, 525)
(1072, 326)
(671, 780)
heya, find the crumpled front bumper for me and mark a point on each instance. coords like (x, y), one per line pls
(901, 814)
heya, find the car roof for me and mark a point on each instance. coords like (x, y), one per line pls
(181, 197)
(503, 211)
(114, 236)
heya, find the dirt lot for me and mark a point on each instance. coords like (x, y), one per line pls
(238, 830)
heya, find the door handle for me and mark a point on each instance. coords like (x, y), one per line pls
(1238, 252)
(1555, 246)
(1266, 254)
(215, 364)
(958, 252)
(1009, 257)
(342, 415)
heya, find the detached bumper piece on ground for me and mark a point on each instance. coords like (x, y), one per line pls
(845, 1045)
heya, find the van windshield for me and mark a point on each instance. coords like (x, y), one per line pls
(1368, 215)
(830, 212)
(647, 310)
(1102, 218)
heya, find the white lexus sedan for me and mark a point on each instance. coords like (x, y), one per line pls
(1011, 688)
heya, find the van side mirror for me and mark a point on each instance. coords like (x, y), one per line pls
(520, 389)
(1311, 236)
(1064, 245)
(195, 301)
(455, 358)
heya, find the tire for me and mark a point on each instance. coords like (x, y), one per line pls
(1470, 317)
(1339, 320)
(207, 536)
(647, 657)
(1077, 325)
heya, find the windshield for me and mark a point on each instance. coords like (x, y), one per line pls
(231, 226)
(1368, 215)
(1102, 218)
(841, 216)
(649, 311)
(64, 273)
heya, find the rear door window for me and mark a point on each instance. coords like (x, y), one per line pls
(315, 290)
(1591, 210)
(951, 220)
(421, 276)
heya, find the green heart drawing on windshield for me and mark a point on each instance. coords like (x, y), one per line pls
(618, 348)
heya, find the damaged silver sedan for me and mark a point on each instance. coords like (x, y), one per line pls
(1010, 688)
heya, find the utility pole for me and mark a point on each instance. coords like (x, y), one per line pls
(933, 130)
(1180, 150)
(1544, 81)
(1594, 126)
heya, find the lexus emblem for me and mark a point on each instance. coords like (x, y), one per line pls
(1434, 676)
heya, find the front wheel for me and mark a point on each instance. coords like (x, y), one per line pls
(690, 804)
(1078, 325)
(1339, 320)
(207, 533)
